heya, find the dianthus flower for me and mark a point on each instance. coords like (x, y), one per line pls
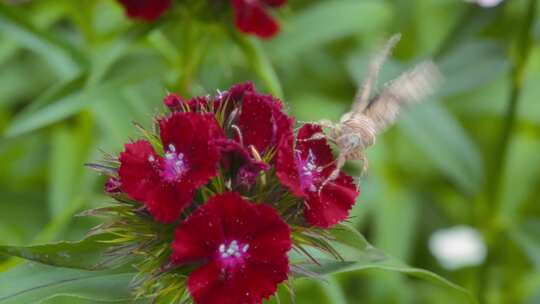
(241, 248)
(305, 168)
(211, 202)
(166, 183)
(148, 10)
(252, 16)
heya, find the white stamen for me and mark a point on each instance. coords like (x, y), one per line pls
(172, 148)
(151, 158)
(233, 250)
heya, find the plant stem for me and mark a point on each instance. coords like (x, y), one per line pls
(523, 49)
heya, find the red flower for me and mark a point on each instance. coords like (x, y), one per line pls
(148, 10)
(262, 122)
(258, 124)
(304, 169)
(252, 17)
(166, 184)
(242, 247)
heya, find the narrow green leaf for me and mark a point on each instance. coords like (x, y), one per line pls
(327, 21)
(373, 259)
(472, 65)
(84, 254)
(527, 236)
(363, 256)
(34, 283)
(62, 56)
(68, 99)
(333, 291)
(445, 143)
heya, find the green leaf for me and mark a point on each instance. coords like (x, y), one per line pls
(85, 254)
(69, 151)
(62, 56)
(58, 102)
(445, 143)
(373, 259)
(34, 283)
(472, 65)
(333, 291)
(328, 21)
(359, 255)
(521, 178)
(527, 236)
(70, 98)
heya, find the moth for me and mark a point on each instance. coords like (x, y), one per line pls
(372, 113)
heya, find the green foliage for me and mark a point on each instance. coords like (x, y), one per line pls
(34, 283)
(75, 74)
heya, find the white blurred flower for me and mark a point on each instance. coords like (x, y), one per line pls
(486, 3)
(458, 247)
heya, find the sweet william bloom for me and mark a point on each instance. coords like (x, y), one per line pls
(242, 249)
(166, 184)
(148, 10)
(304, 168)
(252, 17)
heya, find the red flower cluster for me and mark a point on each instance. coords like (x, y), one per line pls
(220, 169)
(251, 16)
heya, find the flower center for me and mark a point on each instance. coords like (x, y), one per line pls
(174, 165)
(232, 250)
(232, 254)
(309, 172)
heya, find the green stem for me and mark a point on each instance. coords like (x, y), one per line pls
(260, 62)
(517, 74)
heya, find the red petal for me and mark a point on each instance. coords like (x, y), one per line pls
(256, 122)
(237, 219)
(262, 122)
(286, 167)
(252, 18)
(148, 10)
(167, 201)
(205, 286)
(333, 206)
(266, 262)
(272, 240)
(260, 281)
(275, 3)
(197, 239)
(137, 176)
(192, 135)
(319, 147)
(173, 102)
(237, 92)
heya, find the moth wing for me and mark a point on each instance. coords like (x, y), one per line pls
(410, 88)
(361, 99)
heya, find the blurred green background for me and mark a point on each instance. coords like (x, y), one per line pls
(75, 74)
